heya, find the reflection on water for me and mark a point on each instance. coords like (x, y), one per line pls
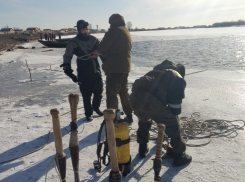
(209, 48)
(211, 51)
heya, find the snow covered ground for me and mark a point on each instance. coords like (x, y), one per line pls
(25, 121)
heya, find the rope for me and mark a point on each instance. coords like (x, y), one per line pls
(28, 152)
(48, 168)
(195, 128)
(4, 162)
(195, 72)
(83, 57)
(56, 167)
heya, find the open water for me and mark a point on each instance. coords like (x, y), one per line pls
(207, 48)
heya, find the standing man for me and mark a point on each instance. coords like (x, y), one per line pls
(46, 36)
(115, 48)
(158, 96)
(50, 36)
(88, 69)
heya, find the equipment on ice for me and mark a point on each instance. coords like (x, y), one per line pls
(74, 141)
(60, 157)
(121, 140)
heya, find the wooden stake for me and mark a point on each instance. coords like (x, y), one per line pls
(74, 142)
(29, 70)
(60, 155)
(157, 165)
(109, 115)
(57, 132)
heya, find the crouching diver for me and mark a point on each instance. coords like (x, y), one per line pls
(88, 69)
(158, 96)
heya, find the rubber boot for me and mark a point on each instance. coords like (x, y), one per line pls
(89, 118)
(98, 111)
(143, 149)
(181, 159)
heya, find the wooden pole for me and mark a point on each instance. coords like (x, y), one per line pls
(74, 142)
(115, 174)
(157, 162)
(60, 155)
(29, 70)
(57, 132)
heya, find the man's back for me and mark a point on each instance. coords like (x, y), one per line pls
(167, 85)
(116, 47)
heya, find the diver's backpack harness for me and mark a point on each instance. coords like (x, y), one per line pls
(124, 161)
(97, 163)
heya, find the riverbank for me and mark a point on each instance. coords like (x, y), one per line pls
(8, 43)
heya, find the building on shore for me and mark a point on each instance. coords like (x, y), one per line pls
(32, 30)
(47, 30)
(7, 31)
(18, 31)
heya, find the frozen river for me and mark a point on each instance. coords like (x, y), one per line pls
(217, 92)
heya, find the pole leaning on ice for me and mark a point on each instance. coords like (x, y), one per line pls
(157, 162)
(60, 158)
(115, 174)
(74, 142)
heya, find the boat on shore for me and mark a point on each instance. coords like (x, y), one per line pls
(58, 43)
(61, 40)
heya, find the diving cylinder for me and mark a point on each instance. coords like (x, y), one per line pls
(123, 147)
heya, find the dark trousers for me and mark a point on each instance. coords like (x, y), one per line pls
(91, 85)
(117, 84)
(147, 107)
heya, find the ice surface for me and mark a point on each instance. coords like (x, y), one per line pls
(25, 118)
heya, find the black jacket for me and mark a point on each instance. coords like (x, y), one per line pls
(167, 86)
(81, 46)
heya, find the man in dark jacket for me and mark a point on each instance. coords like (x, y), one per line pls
(88, 69)
(115, 48)
(158, 96)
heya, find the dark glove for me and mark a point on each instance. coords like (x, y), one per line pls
(175, 111)
(68, 71)
(175, 108)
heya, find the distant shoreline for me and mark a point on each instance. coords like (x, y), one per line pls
(8, 44)
(181, 28)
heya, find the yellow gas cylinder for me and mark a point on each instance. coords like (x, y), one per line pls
(123, 147)
(123, 142)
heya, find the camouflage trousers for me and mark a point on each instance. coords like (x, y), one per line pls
(117, 84)
(148, 108)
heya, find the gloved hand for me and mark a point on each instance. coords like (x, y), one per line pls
(68, 71)
(175, 109)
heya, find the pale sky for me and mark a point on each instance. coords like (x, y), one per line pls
(57, 14)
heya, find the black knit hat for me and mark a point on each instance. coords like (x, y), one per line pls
(81, 24)
(166, 64)
(181, 69)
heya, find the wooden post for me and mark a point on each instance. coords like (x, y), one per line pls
(157, 162)
(29, 70)
(60, 155)
(115, 174)
(74, 142)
